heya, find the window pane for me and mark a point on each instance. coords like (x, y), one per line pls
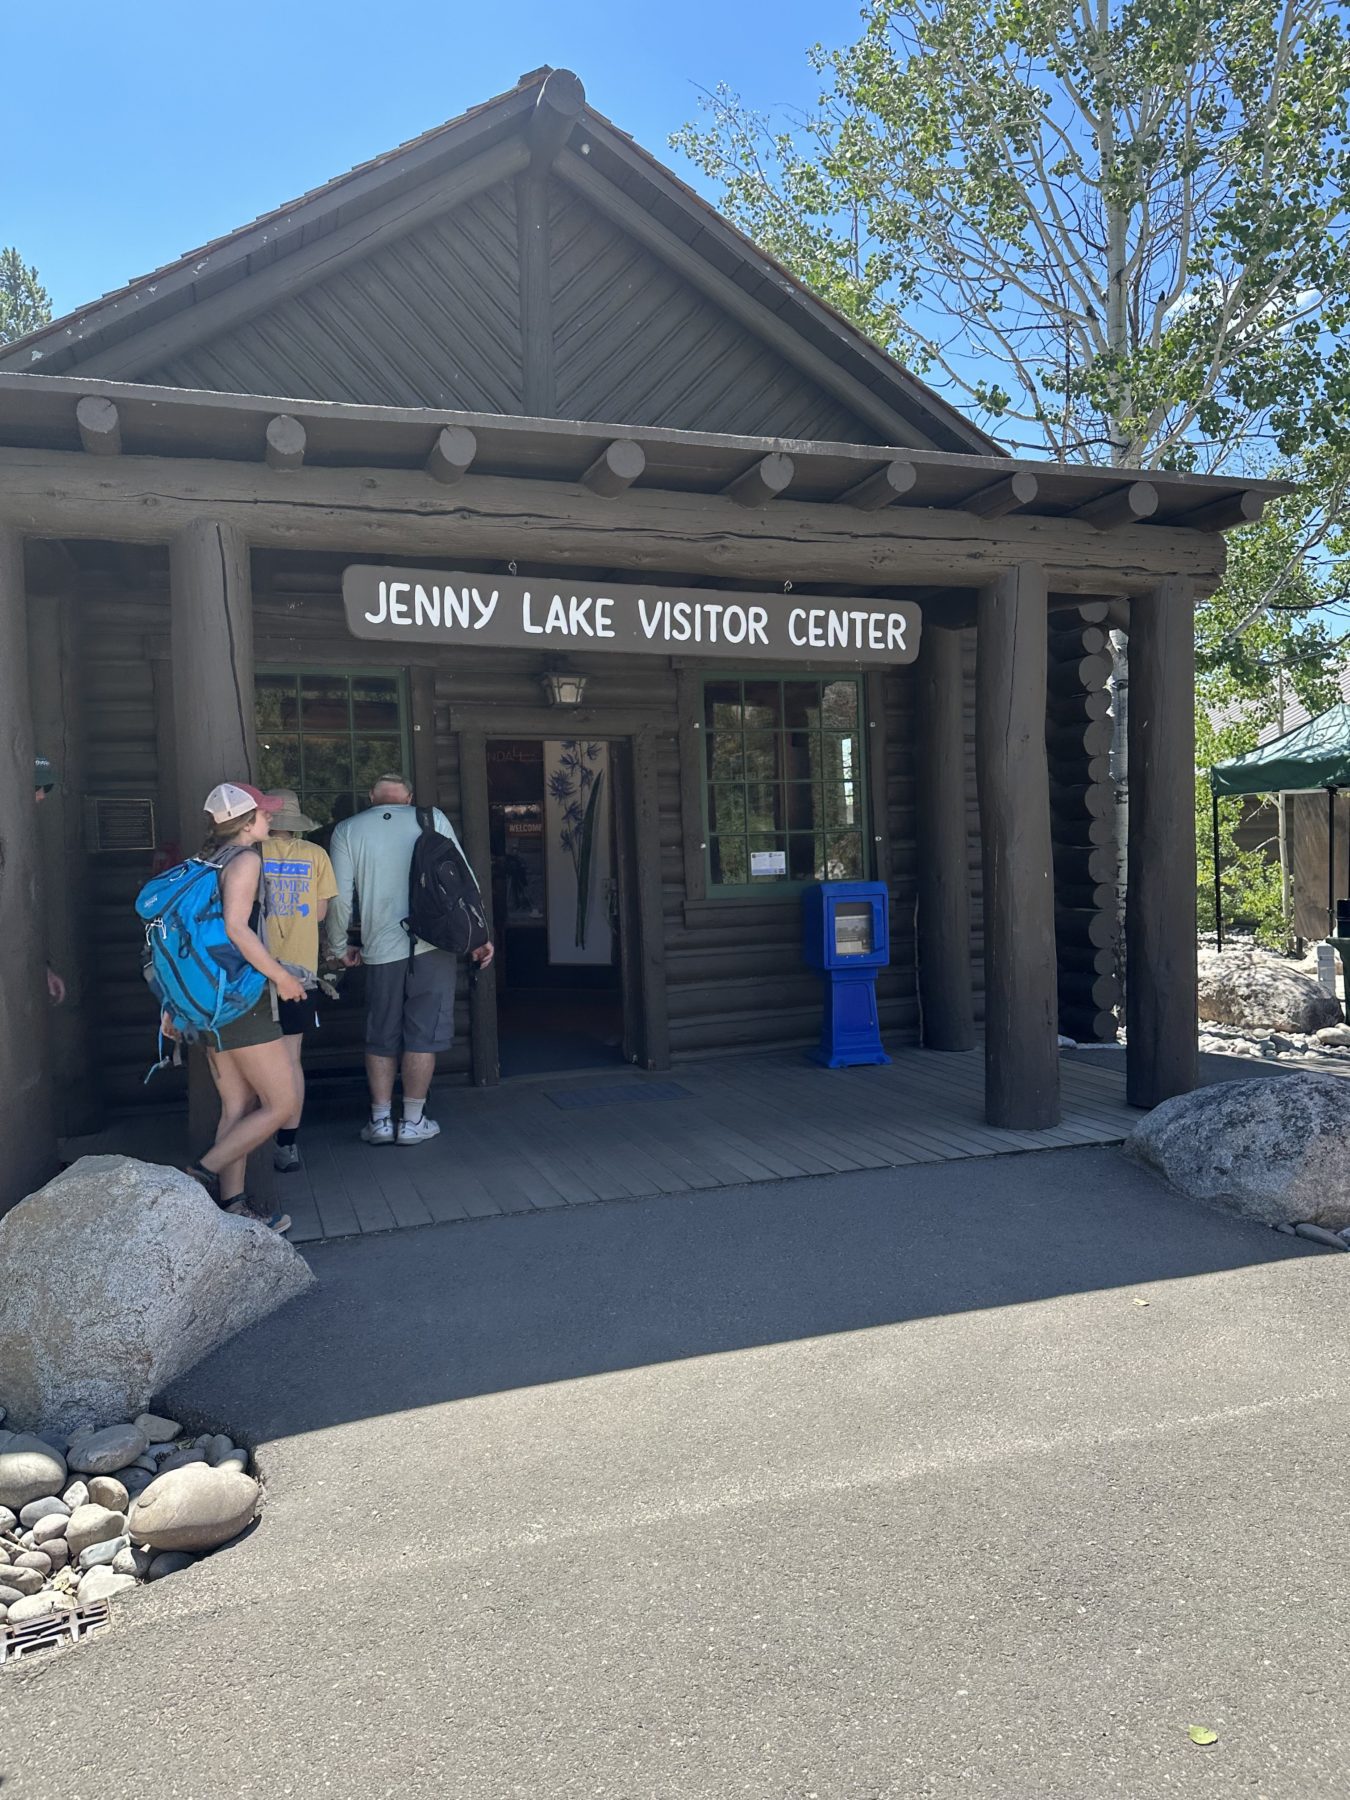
(276, 703)
(328, 764)
(761, 755)
(722, 726)
(841, 857)
(323, 703)
(729, 863)
(801, 756)
(763, 806)
(801, 806)
(726, 808)
(802, 856)
(802, 702)
(839, 711)
(279, 763)
(375, 704)
(763, 705)
(320, 808)
(841, 801)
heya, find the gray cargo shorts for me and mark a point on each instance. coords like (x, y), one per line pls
(410, 1006)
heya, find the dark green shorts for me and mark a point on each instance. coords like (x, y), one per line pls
(257, 1026)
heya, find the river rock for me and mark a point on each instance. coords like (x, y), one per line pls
(1271, 1150)
(1262, 992)
(49, 1526)
(93, 1525)
(9, 1521)
(77, 1494)
(37, 1560)
(9, 1594)
(96, 1555)
(131, 1561)
(155, 1273)
(106, 1490)
(194, 1508)
(102, 1584)
(58, 1551)
(23, 1581)
(38, 1606)
(29, 1467)
(157, 1430)
(41, 1509)
(104, 1451)
(169, 1562)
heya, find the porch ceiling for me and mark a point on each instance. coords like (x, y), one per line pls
(39, 412)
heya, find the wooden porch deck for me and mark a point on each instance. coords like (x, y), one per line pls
(571, 1140)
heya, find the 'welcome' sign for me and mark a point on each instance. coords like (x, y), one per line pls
(514, 612)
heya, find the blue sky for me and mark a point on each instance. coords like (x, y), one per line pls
(147, 128)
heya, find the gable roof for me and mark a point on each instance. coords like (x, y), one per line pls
(164, 325)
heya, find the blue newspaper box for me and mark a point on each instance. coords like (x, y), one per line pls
(846, 935)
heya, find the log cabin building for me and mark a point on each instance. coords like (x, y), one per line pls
(792, 615)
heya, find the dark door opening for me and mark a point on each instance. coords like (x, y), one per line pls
(555, 904)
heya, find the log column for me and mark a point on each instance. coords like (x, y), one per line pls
(1021, 1007)
(1161, 1009)
(211, 650)
(945, 998)
(27, 1129)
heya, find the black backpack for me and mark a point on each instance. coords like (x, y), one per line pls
(445, 904)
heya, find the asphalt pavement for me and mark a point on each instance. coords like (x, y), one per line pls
(981, 1479)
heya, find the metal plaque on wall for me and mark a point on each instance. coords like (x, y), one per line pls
(556, 613)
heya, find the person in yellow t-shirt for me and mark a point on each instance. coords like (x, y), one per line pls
(300, 884)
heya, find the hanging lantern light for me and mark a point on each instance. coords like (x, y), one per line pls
(562, 687)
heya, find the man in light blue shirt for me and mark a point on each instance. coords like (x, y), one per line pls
(410, 1001)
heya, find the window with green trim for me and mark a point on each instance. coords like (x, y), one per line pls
(783, 781)
(328, 734)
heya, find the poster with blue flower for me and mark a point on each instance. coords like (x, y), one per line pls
(577, 850)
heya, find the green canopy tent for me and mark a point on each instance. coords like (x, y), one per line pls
(1313, 756)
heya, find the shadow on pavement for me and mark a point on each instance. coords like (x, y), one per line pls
(417, 1318)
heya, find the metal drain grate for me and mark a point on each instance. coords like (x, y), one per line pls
(616, 1093)
(51, 1632)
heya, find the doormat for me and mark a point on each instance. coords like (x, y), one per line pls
(616, 1093)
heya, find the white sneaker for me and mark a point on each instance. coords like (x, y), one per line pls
(417, 1131)
(378, 1131)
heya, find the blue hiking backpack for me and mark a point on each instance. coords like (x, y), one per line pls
(197, 974)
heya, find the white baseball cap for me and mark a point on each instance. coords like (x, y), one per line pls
(231, 800)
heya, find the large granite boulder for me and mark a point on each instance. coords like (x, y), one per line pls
(119, 1275)
(1272, 1149)
(1262, 992)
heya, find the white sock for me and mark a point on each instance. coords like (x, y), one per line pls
(412, 1111)
(378, 1114)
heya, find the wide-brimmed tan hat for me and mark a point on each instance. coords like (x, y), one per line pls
(288, 816)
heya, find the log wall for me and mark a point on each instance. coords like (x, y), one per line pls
(1078, 736)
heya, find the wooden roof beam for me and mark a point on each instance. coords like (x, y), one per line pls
(100, 427)
(617, 467)
(1244, 508)
(452, 454)
(1006, 496)
(1122, 506)
(285, 446)
(889, 483)
(762, 481)
(562, 99)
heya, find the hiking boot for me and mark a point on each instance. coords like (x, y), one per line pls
(286, 1158)
(243, 1207)
(378, 1131)
(417, 1131)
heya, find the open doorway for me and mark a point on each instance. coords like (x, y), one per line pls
(555, 902)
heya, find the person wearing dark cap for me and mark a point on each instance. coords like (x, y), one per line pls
(44, 780)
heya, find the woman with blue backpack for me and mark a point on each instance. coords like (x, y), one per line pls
(220, 993)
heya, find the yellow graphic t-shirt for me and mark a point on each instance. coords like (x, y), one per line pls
(298, 876)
